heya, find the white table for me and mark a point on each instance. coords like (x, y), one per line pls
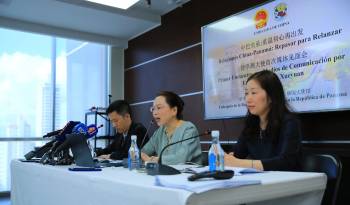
(36, 184)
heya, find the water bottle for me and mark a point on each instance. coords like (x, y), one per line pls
(134, 154)
(216, 153)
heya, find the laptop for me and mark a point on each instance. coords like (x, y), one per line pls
(82, 155)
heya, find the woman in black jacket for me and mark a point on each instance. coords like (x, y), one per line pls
(271, 138)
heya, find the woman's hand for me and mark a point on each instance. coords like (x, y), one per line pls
(105, 156)
(147, 158)
(231, 160)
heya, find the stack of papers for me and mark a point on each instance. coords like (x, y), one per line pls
(181, 182)
(195, 169)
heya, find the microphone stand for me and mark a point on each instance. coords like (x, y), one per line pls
(145, 135)
(168, 170)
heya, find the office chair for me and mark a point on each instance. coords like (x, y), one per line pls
(205, 158)
(332, 167)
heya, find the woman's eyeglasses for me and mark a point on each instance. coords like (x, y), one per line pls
(155, 108)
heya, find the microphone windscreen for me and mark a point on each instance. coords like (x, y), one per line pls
(92, 130)
(66, 130)
(80, 129)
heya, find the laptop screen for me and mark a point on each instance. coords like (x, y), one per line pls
(80, 149)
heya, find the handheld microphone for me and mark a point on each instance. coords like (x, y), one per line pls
(79, 128)
(167, 170)
(47, 150)
(92, 130)
(53, 133)
(144, 137)
(87, 131)
(66, 130)
(60, 143)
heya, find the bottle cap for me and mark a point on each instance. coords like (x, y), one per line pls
(215, 133)
(133, 137)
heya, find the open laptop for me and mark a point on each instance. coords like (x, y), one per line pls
(82, 155)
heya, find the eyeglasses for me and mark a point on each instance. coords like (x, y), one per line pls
(156, 108)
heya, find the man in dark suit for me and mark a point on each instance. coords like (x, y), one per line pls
(119, 113)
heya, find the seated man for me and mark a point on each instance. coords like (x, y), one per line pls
(119, 113)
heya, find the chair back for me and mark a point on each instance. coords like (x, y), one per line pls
(205, 158)
(332, 167)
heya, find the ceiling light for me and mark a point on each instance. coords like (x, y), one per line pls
(232, 24)
(122, 4)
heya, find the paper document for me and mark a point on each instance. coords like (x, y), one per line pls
(238, 170)
(181, 182)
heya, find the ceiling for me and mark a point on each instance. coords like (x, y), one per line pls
(84, 20)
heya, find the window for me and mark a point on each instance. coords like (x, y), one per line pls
(45, 82)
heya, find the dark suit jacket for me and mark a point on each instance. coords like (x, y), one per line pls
(119, 147)
(282, 155)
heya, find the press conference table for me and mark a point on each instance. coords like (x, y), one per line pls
(36, 184)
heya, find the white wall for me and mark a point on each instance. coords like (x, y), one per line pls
(117, 73)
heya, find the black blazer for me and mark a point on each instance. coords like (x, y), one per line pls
(119, 147)
(283, 155)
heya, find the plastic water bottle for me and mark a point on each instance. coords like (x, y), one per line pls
(134, 154)
(216, 153)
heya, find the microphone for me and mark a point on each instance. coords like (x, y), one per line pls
(81, 128)
(66, 130)
(144, 137)
(89, 131)
(60, 143)
(53, 133)
(168, 170)
(45, 151)
(40, 151)
(92, 130)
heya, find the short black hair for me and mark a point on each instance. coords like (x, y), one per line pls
(173, 100)
(121, 107)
